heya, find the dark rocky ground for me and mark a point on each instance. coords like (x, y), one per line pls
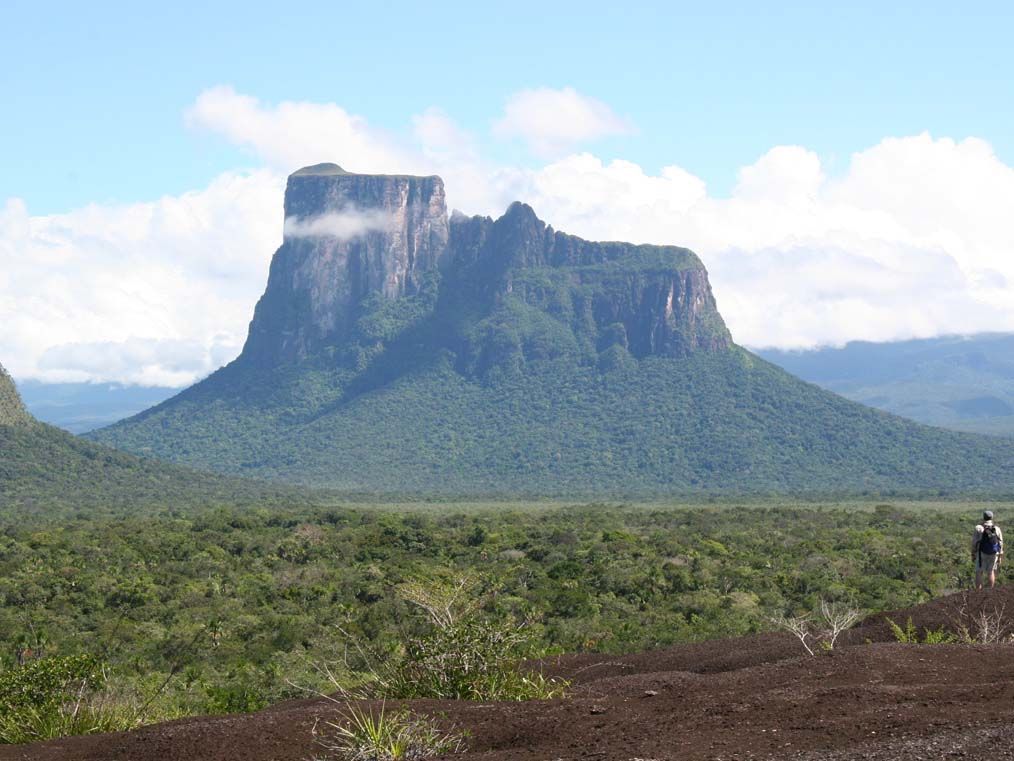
(737, 699)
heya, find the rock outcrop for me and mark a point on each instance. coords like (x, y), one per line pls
(347, 236)
(12, 410)
(649, 300)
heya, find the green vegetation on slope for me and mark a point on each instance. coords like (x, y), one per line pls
(725, 421)
(47, 470)
(12, 411)
(236, 602)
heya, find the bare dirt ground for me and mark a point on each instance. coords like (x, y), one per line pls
(755, 697)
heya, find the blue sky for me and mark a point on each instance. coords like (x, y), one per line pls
(94, 92)
(845, 171)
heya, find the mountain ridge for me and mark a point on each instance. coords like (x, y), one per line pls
(961, 382)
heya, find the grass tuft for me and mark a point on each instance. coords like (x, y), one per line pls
(358, 734)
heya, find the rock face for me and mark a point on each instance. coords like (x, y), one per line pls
(648, 300)
(12, 410)
(347, 237)
(354, 242)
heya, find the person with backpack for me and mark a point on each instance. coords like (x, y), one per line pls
(987, 549)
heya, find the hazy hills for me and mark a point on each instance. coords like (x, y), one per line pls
(960, 382)
(399, 349)
(83, 407)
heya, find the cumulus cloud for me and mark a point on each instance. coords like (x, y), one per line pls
(912, 238)
(179, 276)
(786, 173)
(345, 225)
(294, 134)
(555, 121)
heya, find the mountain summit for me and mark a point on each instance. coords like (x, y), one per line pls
(398, 349)
(347, 237)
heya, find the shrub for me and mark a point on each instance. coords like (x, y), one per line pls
(55, 697)
(982, 625)
(463, 653)
(910, 634)
(822, 628)
(938, 637)
(475, 659)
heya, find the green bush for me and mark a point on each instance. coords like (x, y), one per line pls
(910, 634)
(56, 697)
(475, 659)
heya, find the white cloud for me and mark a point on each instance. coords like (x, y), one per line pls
(294, 134)
(147, 362)
(786, 173)
(441, 140)
(912, 239)
(345, 225)
(553, 122)
(179, 275)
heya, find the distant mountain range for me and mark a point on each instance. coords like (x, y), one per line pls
(398, 349)
(960, 382)
(83, 407)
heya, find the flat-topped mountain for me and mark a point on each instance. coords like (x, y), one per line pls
(354, 241)
(399, 349)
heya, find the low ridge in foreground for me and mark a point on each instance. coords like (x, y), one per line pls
(45, 469)
(401, 350)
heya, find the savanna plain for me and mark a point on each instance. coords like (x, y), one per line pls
(137, 619)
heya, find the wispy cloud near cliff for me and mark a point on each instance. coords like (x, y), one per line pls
(345, 225)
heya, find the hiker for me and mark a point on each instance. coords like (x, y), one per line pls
(987, 549)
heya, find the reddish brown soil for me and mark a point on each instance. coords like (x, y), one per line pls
(747, 698)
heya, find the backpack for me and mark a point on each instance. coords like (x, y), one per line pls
(989, 543)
